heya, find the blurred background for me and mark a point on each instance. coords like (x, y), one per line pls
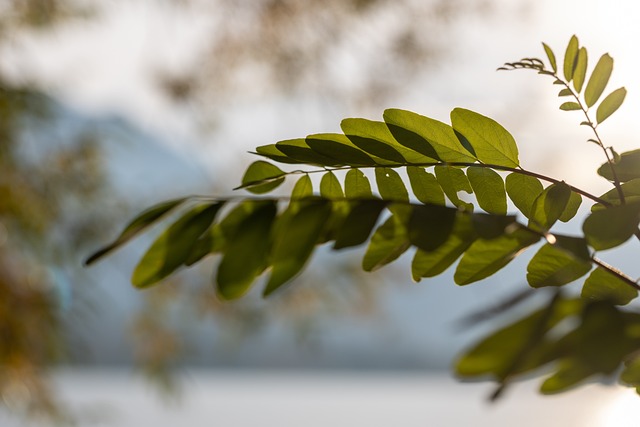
(109, 107)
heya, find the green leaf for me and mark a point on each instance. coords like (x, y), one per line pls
(611, 227)
(551, 56)
(303, 188)
(426, 135)
(553, 266)
(298, 150)
(492, 143)
(486, 257)
(339, 148)
(137, 225)
(570, 58)
(598, 80)
(452, 180)
(488, 187)
(295, 241)
(172, 248)
(492, 226)
(359, 223)
(523, 190)
(627, 168)
(374, 138)
(549, 206)
(570, 211)
(388, 242)
(580, 70)
(570, 106)
(330, 187)
(390, 185)
(356, 185)
(432, 263)
(261, 177)
(430, 226)
(246, 254)
(565, 92)
(630, 375)
(425, 186)
(601, 285)
(630, 189)
(272, 152)
(610, 104)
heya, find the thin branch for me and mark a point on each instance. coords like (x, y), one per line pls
(615, 272)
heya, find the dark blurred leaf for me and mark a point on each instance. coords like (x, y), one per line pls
(138, 224)
(246, 254)
(630, 189)
(523, 190)
(172, 248)
(598, 80)
(295, 241)
(492, 143)
(388, 242)
(488, 187)
(631, 373)
(359, 223)
(491, 226)
(430, 226)
(627, 168)
(425, 186)
(604, 286)
(611, 227)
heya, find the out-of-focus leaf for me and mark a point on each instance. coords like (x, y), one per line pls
(570, 106)
(339, 148)
(425, 186)
(488, 187)
(359, 223)
(491, 226)
(261, 177)
(246, 254)
(627, 168)
(330, 187)
(580, 70)
(172, 248)
(523, 190)
(598, 80)
(430, 226)
(604, 286)
(565, 92)
(492, 143)
(549, 206)
(486, 257)
(303, 188)
(298, 150)
(553, 266)
(356, 185)
(630, 375)
(611, 227)
(432, 263)
(551, 56)
(452, 180)
(295, 241)
(390, 185)
(570, 211)
(138, 224)
(388, 242)
(610, 104)
(630, 189)
(426, 135)
(570, 57)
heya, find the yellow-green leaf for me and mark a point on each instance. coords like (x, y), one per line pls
(610, 104)
(551, 56)
(356, 185)
(425, 186)
(261, 177)
(523, 190)
(330, 187)
(570, 57)
(488, 187)
(580, 70)
(601, 285)
(598, 80)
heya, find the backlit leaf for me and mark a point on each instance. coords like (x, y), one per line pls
(580, 70)
(604, 286)
(388, 242)
(418, 132)
(488, 187)
(452, 180)
(492, 143)
(137, 225)
(375, 138)
(390, 185)
(303, 188)
(523, 190)
(630, 189)
(295, 241)
(246, 254)
(272, 152)
(298, 150)
(611, 227)
(356, 185)
(627, 168)
(549, 206)
(570, 211)
(551, 56)
(598, 80)
(570, 57)
(610, 104)
(339, 148)
(552, 266)
(359, 223)
(425, 186)
(172, 248)
(261, 177)
(330, 187)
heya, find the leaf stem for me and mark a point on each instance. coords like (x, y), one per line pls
(614, 271)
